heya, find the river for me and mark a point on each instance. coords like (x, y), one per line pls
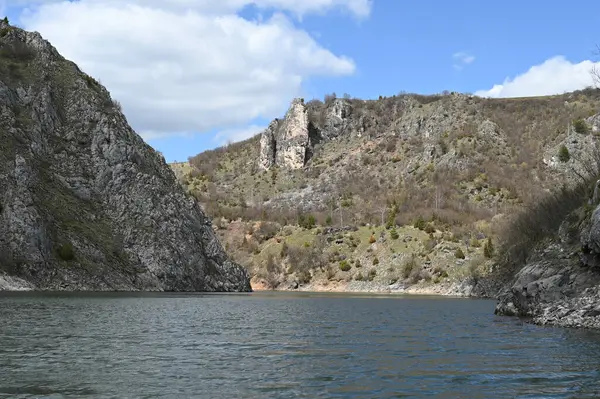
(284, 345)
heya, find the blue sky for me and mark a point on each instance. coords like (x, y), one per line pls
(425, 47)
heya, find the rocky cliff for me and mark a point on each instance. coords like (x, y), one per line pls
(287, 143)
(559, 284)
(85, 204)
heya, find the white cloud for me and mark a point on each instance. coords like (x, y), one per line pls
(461, 59)
(184, 66)
(237, 134)
(360, 8)
(554, 76)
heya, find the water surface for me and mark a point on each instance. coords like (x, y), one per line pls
(282, 345)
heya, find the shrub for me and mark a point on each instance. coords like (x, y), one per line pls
(65, 252)
(394, 234)
(357, 264)
(359, 277)
(419, 223)
(580, 126)
(328, 220)
(307, 221)
(17, 51)
(345, 266)
(488, 248)
(304, 277)
(375, 261)
(266, 231)
(474, 243)
(303, 259)
(270, 265)
(284, 250)
(429, 229)
(372, 274)
(563, 154)
(4, 31)
(409, 266)
(459, 254)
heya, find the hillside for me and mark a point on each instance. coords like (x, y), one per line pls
(403, 190)
(85, 204)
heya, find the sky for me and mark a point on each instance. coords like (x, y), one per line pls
(193, 75)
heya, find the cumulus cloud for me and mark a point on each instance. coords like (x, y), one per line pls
(183, 66)
(554, 76)
(461, 59)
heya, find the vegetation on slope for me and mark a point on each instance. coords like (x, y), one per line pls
(472, 162)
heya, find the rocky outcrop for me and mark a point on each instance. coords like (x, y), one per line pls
(559, 285)
(289, 143)
(285, 143)
(85, 204)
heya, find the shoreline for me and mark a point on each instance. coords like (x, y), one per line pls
(455, 289)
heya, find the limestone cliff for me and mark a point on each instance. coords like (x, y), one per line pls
(285, 143)
(85, 204)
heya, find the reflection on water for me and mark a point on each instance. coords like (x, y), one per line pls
(278, 345)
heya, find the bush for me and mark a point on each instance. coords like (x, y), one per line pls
(459, 254)
(394, 234)
(563, 154)
(328, 220)
(304, 277)
(17, 51)
(345, 266)
(429, 229)
(409, 266)
(375, 261)
(303, 259)
(65, 252)
(419, 223)
(307, 221)
(359, 277)
(580, 126)
(284, 250)
(372, 274)
(488, 248)
(266, 231)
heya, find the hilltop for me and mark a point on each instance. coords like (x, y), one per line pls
(397, 193)
(85, 204)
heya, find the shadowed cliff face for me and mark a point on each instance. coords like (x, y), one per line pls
(84, 202)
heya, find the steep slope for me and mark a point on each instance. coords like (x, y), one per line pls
(554, 278)
(414, 189)
(85, 204)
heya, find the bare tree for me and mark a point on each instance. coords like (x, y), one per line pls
(596, 70)
(383, 211)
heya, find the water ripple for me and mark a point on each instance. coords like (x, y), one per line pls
(283, 346)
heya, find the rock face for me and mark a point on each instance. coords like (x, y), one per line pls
(85, 204)
(285, 143)
(289, 143)
(560, 284)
